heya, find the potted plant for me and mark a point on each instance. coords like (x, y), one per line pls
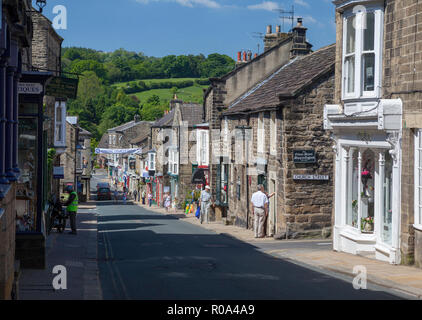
(367, 224)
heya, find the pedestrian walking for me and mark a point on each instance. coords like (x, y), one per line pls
(115, 195)
(150, 199)
(135, 194)
(72, 208)
(259, 203)
(143, 197)
(205, 203)
(167, 202)
(124, 196)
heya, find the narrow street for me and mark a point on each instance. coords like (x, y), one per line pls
(146, 255)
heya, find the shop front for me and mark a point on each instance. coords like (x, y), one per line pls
(367, 179)
(31, 187)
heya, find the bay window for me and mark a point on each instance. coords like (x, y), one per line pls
(362, 46)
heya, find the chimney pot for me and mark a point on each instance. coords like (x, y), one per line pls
(239, 55)
(244, 55)
(278, 29)
(269, 29)
(299, 22)
(255, 55)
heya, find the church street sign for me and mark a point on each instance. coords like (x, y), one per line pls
(311, 177)
(64, 88)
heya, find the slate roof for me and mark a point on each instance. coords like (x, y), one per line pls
(287, 81)
(191, 112)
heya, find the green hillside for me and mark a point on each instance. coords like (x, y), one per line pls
(189, 94)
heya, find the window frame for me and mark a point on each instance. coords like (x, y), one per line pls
(260, 133)
(359, 53)
(62, 123)
(417, 183)
(273, 133)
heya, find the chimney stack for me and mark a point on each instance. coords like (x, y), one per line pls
(300, 46)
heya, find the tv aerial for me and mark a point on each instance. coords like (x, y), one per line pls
(258, 35)
(286, 15)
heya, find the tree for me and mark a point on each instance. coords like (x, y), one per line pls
(89, 86)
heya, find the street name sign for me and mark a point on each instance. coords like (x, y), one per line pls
(311, 177)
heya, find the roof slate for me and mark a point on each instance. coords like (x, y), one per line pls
(286, 81)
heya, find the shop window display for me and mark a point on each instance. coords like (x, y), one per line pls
(26, 193)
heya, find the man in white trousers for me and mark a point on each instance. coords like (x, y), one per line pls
(259, 203)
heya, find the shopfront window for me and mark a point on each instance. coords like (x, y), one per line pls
(418, 179)
(368, 188)
(353, 203)
(26, 192)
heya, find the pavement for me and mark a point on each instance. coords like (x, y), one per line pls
(318, 255)
(78, 254)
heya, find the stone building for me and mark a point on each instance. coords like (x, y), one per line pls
(224, 91)
(174, 145)
(22, 151)
(46, 56)
(376, 122)
(68, 159)
(275, 137)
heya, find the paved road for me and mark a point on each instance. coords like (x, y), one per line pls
(147, 255)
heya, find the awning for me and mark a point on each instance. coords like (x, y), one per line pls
(198, 176)
(118, 151)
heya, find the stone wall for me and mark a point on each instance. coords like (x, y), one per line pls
(7, 241)
(308, 204)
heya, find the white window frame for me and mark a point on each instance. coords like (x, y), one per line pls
(418, 183)
(202, 154)
(359, 93)
(261, 133)
(151, 161)
(273, 133)
(62, 105)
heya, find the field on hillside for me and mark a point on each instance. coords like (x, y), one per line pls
(148, 81)
(189, 94)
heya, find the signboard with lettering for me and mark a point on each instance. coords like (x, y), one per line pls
(58, 172)
(304, 156)
(311, 177)
(30, 88)
(64, 88)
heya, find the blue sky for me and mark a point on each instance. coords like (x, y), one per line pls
(163, 27)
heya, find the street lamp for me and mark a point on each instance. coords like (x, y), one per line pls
(41, 4)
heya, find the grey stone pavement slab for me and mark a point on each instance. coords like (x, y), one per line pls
(78, 254)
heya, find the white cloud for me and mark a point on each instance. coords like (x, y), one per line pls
(266, 5)
(302, 3)
(187, 3)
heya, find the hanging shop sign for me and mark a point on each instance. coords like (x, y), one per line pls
(62, 88)
(30, 88)
(311, 177)
(58, 172)
(304, 156)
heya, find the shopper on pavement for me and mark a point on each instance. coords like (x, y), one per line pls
(135, 195)
(150, 199)
(143, 197)
(259, 203)
(72, 208)
(205, 203)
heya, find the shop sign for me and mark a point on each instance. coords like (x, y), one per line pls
(60, 87)
(311, 177)
(58, 172)
(30, 88)
(304, 156)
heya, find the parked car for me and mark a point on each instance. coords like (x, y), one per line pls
(104, 194)
(103, 185)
